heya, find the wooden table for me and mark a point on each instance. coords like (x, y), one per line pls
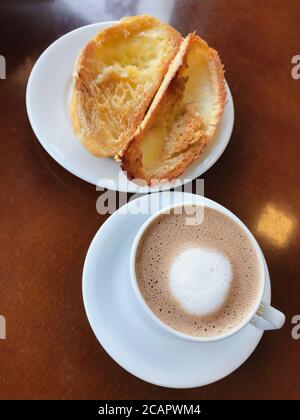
(48, 216)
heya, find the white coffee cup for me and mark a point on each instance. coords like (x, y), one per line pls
(263, 316)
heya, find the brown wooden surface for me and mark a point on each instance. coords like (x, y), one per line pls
(48, 216)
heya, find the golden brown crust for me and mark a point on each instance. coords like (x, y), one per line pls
(115, 79)
(218, 71)
(182, 117)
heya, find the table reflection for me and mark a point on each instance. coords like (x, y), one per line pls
(275, 225)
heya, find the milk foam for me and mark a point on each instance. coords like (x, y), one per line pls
(199, 280)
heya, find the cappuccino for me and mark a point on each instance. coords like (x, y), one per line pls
(202, 280)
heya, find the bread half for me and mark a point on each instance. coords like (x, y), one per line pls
(115, 79)
(182, 118)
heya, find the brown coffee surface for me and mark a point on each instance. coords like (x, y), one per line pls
(166, 238)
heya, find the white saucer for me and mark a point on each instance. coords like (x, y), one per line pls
(47, 100)
(124, 329)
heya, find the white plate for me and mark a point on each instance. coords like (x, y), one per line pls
(123, 327)
(47, 100)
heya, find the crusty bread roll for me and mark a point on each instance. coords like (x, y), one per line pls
(182, 117)
(115, 79)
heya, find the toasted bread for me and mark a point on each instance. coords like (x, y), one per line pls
(182, 117)
(115, 79)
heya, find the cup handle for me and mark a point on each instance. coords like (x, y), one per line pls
(268, 318)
